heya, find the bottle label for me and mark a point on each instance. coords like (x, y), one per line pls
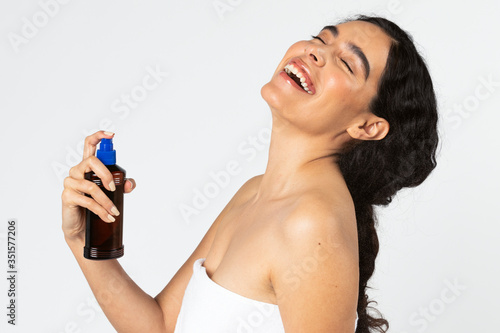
(117, 177)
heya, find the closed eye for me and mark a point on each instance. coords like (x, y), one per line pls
(345, 63)
(316, 37)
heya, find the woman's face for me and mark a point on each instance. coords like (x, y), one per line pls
(341, 74)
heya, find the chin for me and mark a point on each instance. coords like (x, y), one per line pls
(267, 94)
(276, 99)
(273, 95)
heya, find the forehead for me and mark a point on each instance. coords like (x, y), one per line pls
(371, 39)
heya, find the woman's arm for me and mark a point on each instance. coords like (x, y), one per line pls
(315, 270)
(127, 307)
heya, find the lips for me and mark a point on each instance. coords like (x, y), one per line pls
(302, 68)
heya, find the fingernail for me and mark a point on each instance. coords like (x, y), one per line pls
(115, 211)
(112, 186)
(111, 218)
(109, 133)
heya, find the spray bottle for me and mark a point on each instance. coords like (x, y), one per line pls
(104, 240)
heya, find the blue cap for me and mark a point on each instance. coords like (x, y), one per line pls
(105, 153)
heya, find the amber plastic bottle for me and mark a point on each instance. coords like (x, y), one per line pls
(104, 240)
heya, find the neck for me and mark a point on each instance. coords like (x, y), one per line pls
(296, 160)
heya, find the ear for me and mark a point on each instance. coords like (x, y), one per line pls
(374, 128)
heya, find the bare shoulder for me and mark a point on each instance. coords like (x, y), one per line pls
(317, 214)
(253, 183)
(247, 189)
(315, 272)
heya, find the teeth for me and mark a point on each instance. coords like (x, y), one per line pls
(290, 68)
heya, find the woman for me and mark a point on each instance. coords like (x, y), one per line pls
(354, 120)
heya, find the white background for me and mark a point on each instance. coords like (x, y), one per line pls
(66, 78)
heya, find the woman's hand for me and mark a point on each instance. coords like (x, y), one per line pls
(76, 186)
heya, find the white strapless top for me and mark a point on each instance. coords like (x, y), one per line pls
(207, 307)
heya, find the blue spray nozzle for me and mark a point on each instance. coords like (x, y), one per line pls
(106, 144)
(106, 154)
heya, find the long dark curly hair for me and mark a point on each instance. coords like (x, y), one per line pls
(375, 170)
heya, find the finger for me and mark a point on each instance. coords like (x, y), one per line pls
(129, 185)
(73, 199)
(91, 142)
(84, 186)
(92, 163)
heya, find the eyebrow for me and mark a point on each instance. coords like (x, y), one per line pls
(333, 29)
(354, 48)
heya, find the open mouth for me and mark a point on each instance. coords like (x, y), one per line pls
(298, 77)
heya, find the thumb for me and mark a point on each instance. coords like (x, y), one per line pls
(129, 185)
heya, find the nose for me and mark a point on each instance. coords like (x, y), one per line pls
(314, 53)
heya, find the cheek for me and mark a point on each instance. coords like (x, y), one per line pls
(338, 103)
(338, 90)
